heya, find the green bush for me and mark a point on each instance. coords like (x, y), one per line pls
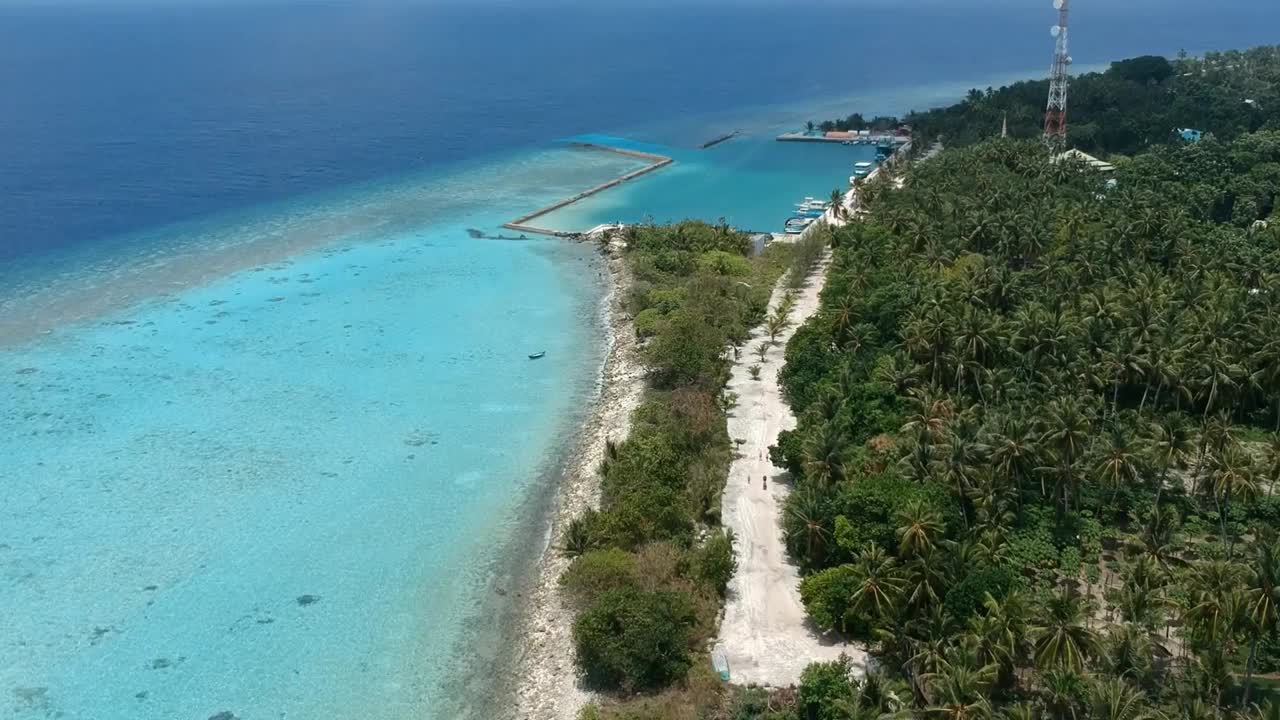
(824, 688)
(687, 352)
(719, 262)
(648, 322)
(789, 452)
(598, 572)
(966, 597)
(716, 563)
(826, 596)
(634, 640)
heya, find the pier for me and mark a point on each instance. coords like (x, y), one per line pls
(521, 224)
(852, 140)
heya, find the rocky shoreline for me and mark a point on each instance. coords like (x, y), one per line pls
(545, 684)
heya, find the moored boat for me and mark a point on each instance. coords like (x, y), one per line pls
(537, 355)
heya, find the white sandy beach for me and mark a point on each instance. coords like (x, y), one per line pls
(546, 682)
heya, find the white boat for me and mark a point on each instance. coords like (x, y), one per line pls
(796, 225)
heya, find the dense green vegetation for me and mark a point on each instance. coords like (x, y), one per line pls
(1039, 426)
(1133, 104)
(1036, 445)
(651, 566)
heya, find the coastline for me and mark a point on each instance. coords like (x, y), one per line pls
(545, 681)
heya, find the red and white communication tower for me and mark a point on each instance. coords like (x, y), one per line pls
(1055, 117)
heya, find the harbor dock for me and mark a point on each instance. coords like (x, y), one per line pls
(521, 224)
(872, 139)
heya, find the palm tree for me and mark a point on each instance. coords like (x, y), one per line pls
(1158, 537)
(1170, 445)
(1128, 653)
(1263, 593)
(1063, 690)
(837, 205)
(1115, 699)
(805, 515)
(1118, 465)
(929, 411)
(577, 538)
(1062, 639)
(924, 580)
(918, 528)
(879, 584)
(1067, 431)
(929, 637)
(1232, 477)
(1273, 463)
(998, 635)
(824, 456)
(1014, 451)
(1215, 375)
(959, 692)
(1215, 606)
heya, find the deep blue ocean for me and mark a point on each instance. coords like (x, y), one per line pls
(269, 438)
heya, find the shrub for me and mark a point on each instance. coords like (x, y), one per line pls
(687, 352)
(719, 262)
(826, 596)
(633, 640)
(789, 452)
(598, 572)
(964, 598)
(822, 688)
(716, 563)
(646, 514)
(647, 322)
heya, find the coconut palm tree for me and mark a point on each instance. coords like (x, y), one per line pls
(1170, 445)
(1115, 699)
(998, 635)
(879, 584)
(804, 525)
(1014, 450)
(1232, 477)
(838, 209)
(1215, 606)
(1061, 638)
(959, 691)
(1064, 691)
(824, 456)
(919, 527)
(1118, 465)
(1067, 431)
(1262, 591)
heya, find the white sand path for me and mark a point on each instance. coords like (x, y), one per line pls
(765, 633)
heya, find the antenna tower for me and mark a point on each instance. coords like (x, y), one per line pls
(1055, 117)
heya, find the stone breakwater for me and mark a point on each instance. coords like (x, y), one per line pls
(521, 224)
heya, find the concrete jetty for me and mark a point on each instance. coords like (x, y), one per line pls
(859, 139)
(521, 223)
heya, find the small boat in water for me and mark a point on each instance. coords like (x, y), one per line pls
(539, 354)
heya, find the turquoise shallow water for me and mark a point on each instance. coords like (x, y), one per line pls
(752, 181)
(277, 463)
(285, 493)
